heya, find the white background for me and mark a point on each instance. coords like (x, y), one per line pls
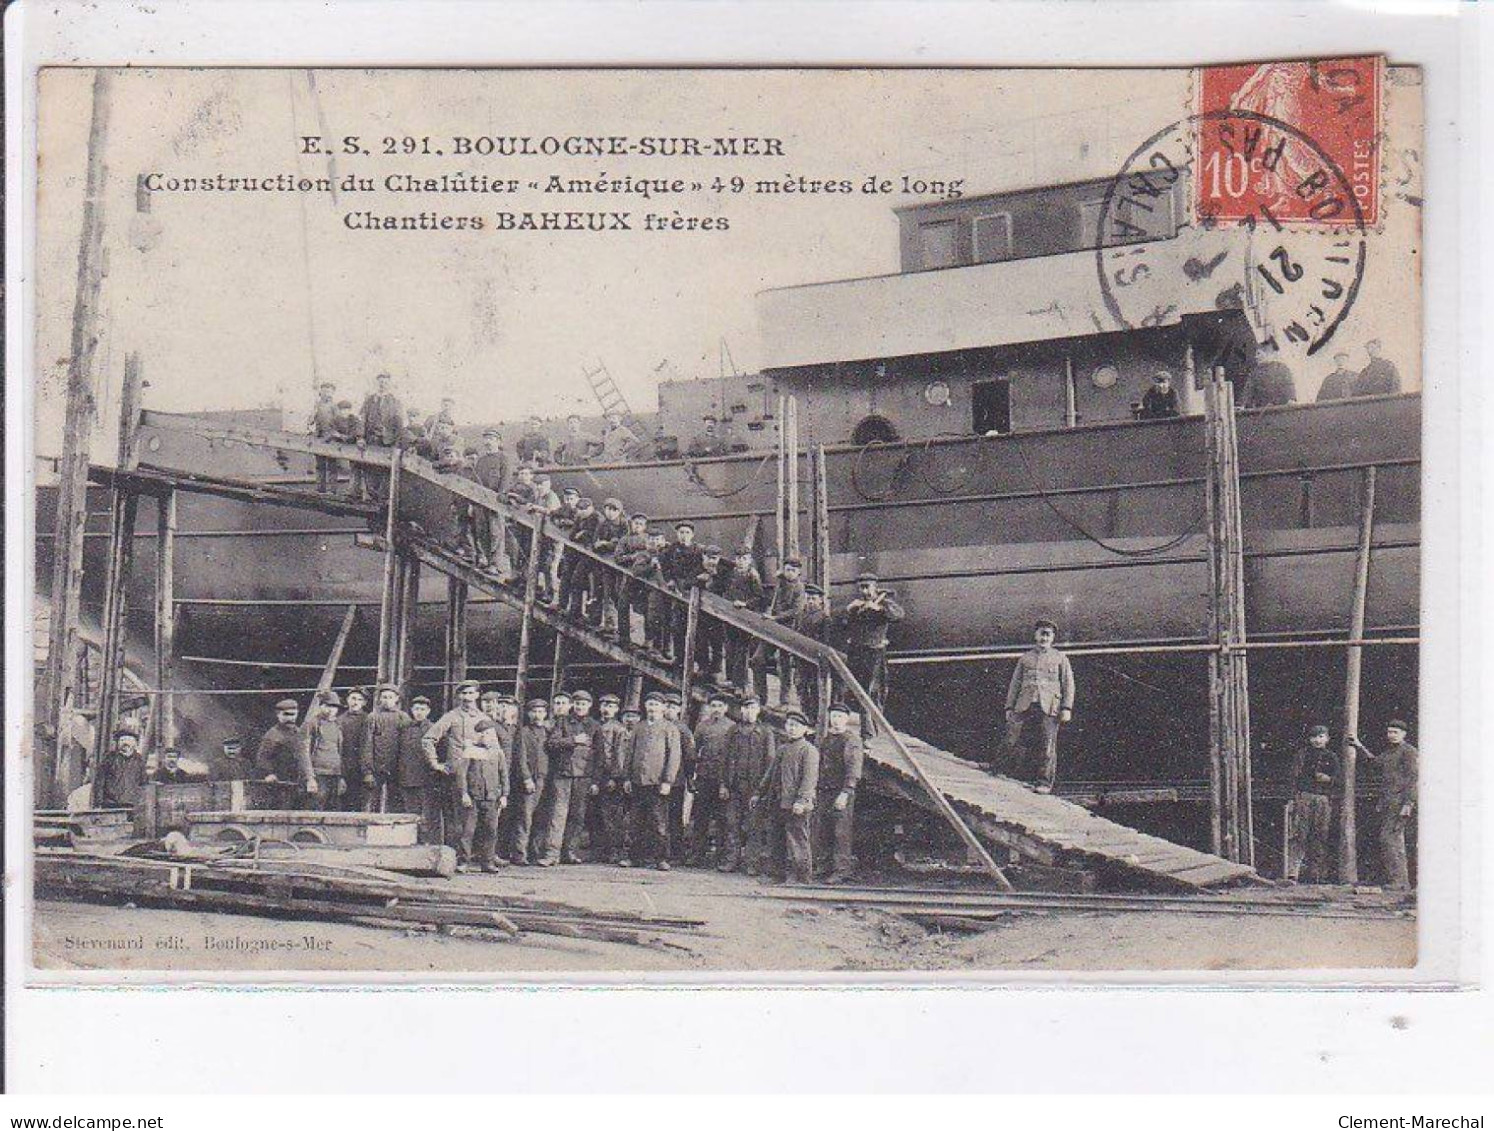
(1028, 1039)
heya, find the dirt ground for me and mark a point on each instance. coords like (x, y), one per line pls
(745, 930)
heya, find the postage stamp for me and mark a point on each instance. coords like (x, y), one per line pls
(1247, 170)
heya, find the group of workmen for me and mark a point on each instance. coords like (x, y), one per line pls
(564, 786)
(1317, 794)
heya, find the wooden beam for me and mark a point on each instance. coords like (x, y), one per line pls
(334, 658)
(159, 480)
(60, 692)
(165, 704)
(692, 631)
(455, 670)
(791, 473)
(388, 593)
(1348, 860)
(822, 522)
(209, 429)
(1216, 675)
(111, 653)
(557, 665)
(526, 622)
(409, 608)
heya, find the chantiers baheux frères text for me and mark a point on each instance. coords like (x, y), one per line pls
(539, 182)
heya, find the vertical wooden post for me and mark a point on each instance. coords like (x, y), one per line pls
(779, 532)
(1188, 386)
(403, 667)
(557, 665)
(389, 593)
(825, 691)
(165, 702)
(111, 655)
(1215, 674)
(1070, 394)
(456, 640)
(822, 523)
(526, 623)
(633, 700)
(1239, 636)
(692, 630)
(63, 652)
(791, 472)
(1348, 857)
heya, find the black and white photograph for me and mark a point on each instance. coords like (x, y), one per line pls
(532, 523)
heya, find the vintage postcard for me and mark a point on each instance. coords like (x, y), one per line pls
(681, 523)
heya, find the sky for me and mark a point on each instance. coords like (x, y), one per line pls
(247, 300)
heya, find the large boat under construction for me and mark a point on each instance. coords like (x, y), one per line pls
(981, 453)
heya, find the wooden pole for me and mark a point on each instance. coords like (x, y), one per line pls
(409, 612)
(60, 690)
(557, 666)
(791, 472)
(1071, 394)
(779, 531)
(822, 524)
(165, 702)
(388, 593)
(334, 658)
(1240, 657)
(456, 640)
(1348, 858)
(526, 623)
(1216, 675)
(692, 630)
(111, 655)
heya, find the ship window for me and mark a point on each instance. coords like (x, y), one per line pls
(937, 244)
(993, 237)
(991, 407)
(875, 430)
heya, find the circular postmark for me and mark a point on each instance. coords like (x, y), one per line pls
(1165, 247)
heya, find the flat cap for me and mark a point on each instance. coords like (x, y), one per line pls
(749, 699)
(383, 687)
(626, 711)
(505, 700)
(566, 695)
(492, 432)
(419, 699)
(483, 724)
(1397, 724)
(569, 490)
(618, 503)
(797, 563)
(840, 708)
(719, 697)
(126, 728)
(1044, 623)
(533, 703)
(711, 551)
(609, 698)
(813, 590)
(581, 695)
(466, 683)
(683, 523)
(287, 705)
(639, 517)
(1316, 730)
(866, 575)
(329, 699)
(674, 699)
(654, 697)
(795, 717)
(585, 503)
(344, 404)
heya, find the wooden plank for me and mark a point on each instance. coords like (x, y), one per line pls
(455, 670)
(165, 620)
(388, 591)
(528, 609)
(111, 653)
(1348, 862)
(209, 429)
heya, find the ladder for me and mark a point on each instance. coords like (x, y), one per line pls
(605, 389)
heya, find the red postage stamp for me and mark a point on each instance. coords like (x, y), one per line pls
(1279, 143)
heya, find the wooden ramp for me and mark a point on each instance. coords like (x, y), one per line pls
(1046, 828)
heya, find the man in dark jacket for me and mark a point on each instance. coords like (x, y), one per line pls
(278, 760)
(531, 766)
(569, 750)
(1270, 382)
(534, 446)
(708, 782)
(378, 755)
(1338, 385)
(1160, 402)
(744, 589)
(785, 609)
(1379, 377)
(653, 768)
(490, 469)
(357, 772)
(484, 799)
(576, 569)
(120, 779)
(609, 770)
(681, 563)
(866, 619)
(794, 777)
(1315, 789)
(612, 527)
(841, 761)
(417, 782)
(1399, 766)
(749, 751)
(324, 427)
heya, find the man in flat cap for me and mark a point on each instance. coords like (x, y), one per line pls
(674, 712)
(322, 754)
(533, 447)
(445, 745)
(841, 761)
(707, 442)
(324, 427)
(484, 798)
(1338, 385)
(1395, 806)
(569, 749)
(418, 785)
(357, 769)
(793, 778)
(744, 589)
(813, 622)
(1160, 402)
(653, 769)
(681, 563)
(609, 770)
(378, 754)
(1315, 788)
(1039, 696)
(711, 649)
(490, 470)
(1379, 377)
(579, 446)
(612, 527)
(120, 779)
(785, 609)
(866, 619)
(278, 759)
(530, 769)
(751, 749)
(707, 783)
